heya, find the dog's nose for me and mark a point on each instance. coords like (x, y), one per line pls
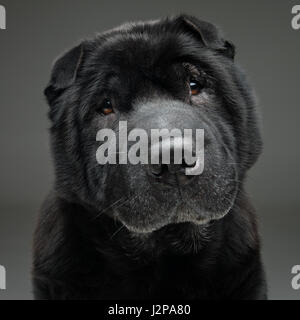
(170, 160)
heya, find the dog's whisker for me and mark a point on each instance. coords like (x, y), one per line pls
(109, 207)
(114, 207)
(116, 232)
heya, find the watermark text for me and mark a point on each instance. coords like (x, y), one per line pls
(2, 278)
(161, 146)
(296, 278)
(296, 18)
(2, 18)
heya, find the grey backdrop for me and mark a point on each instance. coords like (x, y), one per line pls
(37, 31)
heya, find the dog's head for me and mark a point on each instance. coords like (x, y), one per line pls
(175, 73)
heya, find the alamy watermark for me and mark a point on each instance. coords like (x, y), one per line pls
(296, 18)
(296, 278)
(2, 278)
(162, 146)
(2, 18)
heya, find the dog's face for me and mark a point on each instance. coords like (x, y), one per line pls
(173, 73)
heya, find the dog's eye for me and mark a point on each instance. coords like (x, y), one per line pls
(106, 107)
(195, 87)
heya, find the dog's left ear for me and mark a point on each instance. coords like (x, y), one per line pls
(209, 35)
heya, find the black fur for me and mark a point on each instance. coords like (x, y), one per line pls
(109, 232)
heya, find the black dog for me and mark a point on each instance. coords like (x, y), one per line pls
(142, 231)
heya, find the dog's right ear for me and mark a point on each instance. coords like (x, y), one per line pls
(209, 35)
(64, 72)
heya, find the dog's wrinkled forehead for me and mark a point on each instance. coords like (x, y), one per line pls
(158, 43)
(131, 54)
(126, 55)
(138, 47)
(137, 64)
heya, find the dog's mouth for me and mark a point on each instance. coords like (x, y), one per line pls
(184, 211)
(183, 215)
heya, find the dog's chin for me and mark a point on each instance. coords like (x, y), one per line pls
(187, 215)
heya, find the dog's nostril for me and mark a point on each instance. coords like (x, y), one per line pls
(170, 174)
(172, 169)
(159, 169)
(156, 170)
